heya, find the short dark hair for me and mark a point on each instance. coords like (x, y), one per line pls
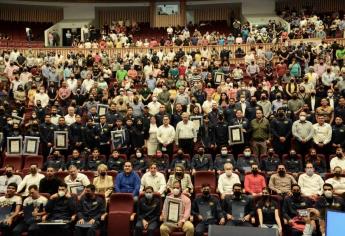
(13, 185)
(34, 186)
(63, 184)
(91, 187)
(148, 187)
(328, 185)
(237, 185)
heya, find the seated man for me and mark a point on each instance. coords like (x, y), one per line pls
(238, 207)
(338, 182)
(33, 210)
(94, 160)
(56, 161)
(270, 163)
(90, 211)
(128, 181)
(254, 182)
(10, 205)
(139, 161)
(244, 163)
(8, 178)
(76, 182)
(183, 222)
(310, 183)
(154, 179)
(281, 182)
(200, 161)
(50, 183)
(33, 178)
(76, 160)
(291, 205)
(227, 180)
(207, 210)
(60, 207)
(115, 162)
(293, 164)
(222, 158)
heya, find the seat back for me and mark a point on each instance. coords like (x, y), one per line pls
(90, 175)
(15, 161)
(121, 202)
(31, 160)
(204, 177)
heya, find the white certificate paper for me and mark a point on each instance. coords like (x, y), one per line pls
(196, 123)
(61, 140)
(236, 135)
(173, 212)
(31, 146)
(102, 111)
(15, 146)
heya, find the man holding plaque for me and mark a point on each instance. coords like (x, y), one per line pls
(176, 216)
(207, 210)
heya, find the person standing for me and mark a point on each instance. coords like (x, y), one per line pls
(152, 141)
(186, 134)
(166, 136)
(260, 133)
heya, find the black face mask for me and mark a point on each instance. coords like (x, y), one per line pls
(179, 175)
(255, 171)
(281, 173)
(296, 194)
(103, 173)
(237, 194)
(9, 174)
(206, 194)
(339, 155)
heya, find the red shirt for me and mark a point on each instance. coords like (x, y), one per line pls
(254, 183)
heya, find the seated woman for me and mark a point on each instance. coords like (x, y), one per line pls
(268, 212)
(147, 213)
(104, 183)
(185, 179)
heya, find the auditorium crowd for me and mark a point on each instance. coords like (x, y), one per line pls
(287, 100)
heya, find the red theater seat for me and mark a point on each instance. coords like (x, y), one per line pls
(204, 177)
(15, 161)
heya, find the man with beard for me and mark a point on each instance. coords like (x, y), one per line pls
(77, 133)
(47, 135)
(281, 132)
(103, 135)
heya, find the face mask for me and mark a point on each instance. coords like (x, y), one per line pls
(9, 174)
(176, 191)
(339, 155)
(154, 99)
(281, 114)
(309, 172)
(330, 94)
(61, 193)
(243, 99)
(247, 154)
(237, 194)
(138, 154)
(179, 175)
(88, 195)
(302, 118)
(337, 174)
(228, 173)
(296, 194)
(33, 171)
(255, 171)
(103, 173)
(206, 193)
(148, 196)
(281, 173)
(224, 153)
(328, 194)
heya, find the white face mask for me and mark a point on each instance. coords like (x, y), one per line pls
(228, 173)
(154, 99)
(61, 193)
(247, 154)
(328, 194)
(302, 118)
(224, 152)
(138, 154)
(176, 191)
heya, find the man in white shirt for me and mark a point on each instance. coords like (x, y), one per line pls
(322, 132)
(166, 136)
(33, 178)
(338, 182)
(154, 106)
(42, 96)
(311, 184)
(338, 160)
(227, 180)
(87, 83)
(8, 178)
(154, 179)
(76, 180)
(54, 116)
(72, 83)
(207, 105)
(70, 117)
(186, 134)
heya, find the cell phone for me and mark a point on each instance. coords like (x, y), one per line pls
(303, 212)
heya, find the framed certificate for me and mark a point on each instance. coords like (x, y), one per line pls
(61, 140)
(218, 77)
(235, 134)
(1, 140)
(76, 188)
(173, 211)
(14, 146)
(197, 121)
(102, 109)
(31, 145)
(118, 138)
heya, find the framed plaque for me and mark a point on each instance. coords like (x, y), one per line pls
(197, 121)
(31, 145)
(75, 188)
(61, 140)
(14, 146)
(102, 109)
(218, 77)
(235, 134)
(1, 140)
(118, 138)
(174, 208)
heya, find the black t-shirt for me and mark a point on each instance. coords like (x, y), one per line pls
(268, 211)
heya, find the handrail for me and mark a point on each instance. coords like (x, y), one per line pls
(123, 51)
